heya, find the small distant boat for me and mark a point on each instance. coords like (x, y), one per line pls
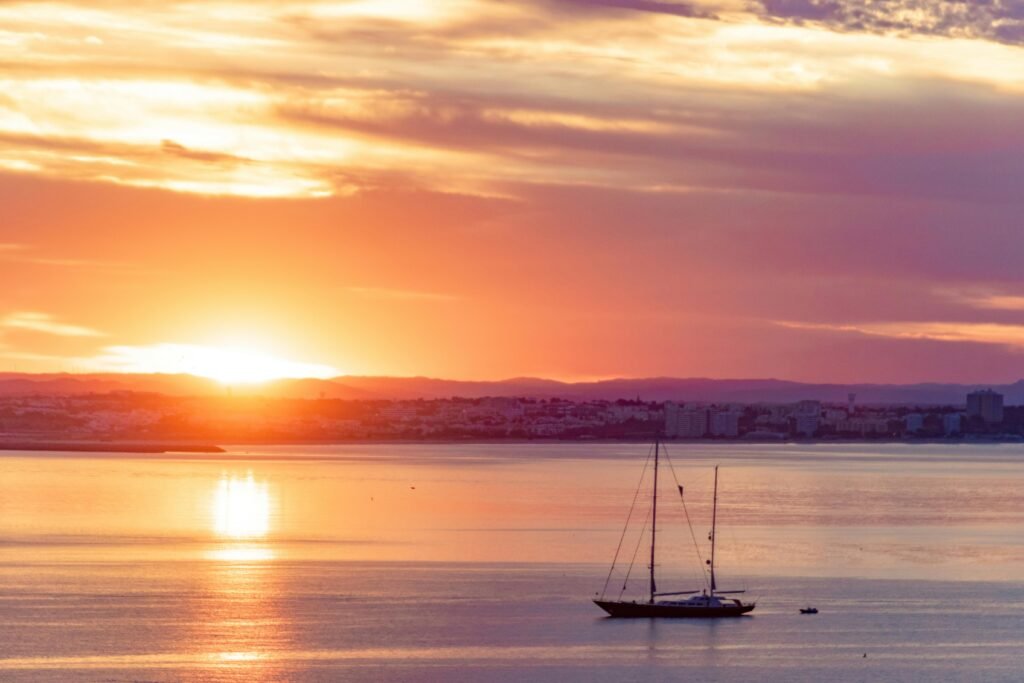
(707, 603)
(808, 610)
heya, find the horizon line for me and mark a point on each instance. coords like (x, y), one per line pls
(518, 378)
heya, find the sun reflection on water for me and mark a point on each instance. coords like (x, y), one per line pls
(238, 624)
(241, 507)
(239, 656)
(246, 553)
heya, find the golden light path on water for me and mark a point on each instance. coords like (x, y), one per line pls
(238, 629)
(241, 516)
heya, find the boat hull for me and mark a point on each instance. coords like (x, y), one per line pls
(633, 610)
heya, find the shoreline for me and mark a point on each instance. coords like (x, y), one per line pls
(645, 439)
(164, 447)
(111, 447)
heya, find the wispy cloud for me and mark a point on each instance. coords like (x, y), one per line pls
(1002, 302)
(986, 300)
(400, 294)
(977, 333)
(45, 324)
(34, 357)
(25, 253)
(983, 301)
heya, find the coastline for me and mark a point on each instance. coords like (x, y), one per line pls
(141, 446)
(111, 447)
(623, 440)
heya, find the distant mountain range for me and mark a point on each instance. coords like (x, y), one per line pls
(396, 388)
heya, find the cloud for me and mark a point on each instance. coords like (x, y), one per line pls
(26, 253)
(46, 324)
(996, 20)
(1001, 302)
(670, 7)
(982, 299)
(975, 333)
(33, 357)
(173, 148)
(400, 294)
(471, 95)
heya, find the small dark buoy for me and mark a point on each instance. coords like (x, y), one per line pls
(413, 488)
(865, 655)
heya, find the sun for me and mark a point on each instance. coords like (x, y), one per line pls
(225, 364)
(233, 365)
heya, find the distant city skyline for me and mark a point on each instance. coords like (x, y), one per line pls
(825, 192)
(89, 420)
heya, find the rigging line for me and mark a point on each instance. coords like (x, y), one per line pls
(625, 581)
(686, 513)
(693, 536)
(733, 542)
(730, 538)
(625, 528)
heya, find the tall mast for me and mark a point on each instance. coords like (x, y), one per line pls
(714, 516)
(654, 519)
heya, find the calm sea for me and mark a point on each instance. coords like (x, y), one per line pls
(478, 563)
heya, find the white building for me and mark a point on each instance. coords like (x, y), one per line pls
(807, 417)
(685, 422)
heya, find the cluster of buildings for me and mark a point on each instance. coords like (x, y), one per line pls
(984, 415)
(132, 416)
(696, 421)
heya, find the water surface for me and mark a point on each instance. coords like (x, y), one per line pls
(477, 562)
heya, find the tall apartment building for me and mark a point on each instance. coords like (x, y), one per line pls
(986, 404)
(725, 423)
(807, 417)
(685, 422)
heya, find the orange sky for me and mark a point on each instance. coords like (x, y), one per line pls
(479, 189)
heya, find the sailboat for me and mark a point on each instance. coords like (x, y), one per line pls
(706, 603)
